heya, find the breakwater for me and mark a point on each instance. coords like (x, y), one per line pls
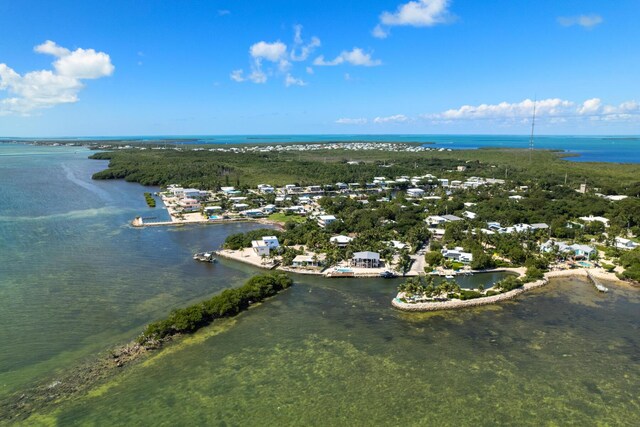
(455, 304)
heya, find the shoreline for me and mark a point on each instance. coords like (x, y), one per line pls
(136, 223)
(247, 256)
(79, 379)
(455, 304)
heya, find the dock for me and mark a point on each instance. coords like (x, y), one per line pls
(599, 286)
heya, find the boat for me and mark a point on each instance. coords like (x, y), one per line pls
(448, 276)
(204, 257)
(387, 274)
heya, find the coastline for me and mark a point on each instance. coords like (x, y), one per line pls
(458, 304)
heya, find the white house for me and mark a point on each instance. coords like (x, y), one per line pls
(324, 220)
(415, 192)
(622, 243)
(458, 254)
(469, 214)
(271, 241)
(592, 218)
(340, 241)
(260, 248)
(366, 259)
(309, 260)
(265, 245)
(194, 193)
(189, 205)
(265, 188)
(580, 251)
(269, 209)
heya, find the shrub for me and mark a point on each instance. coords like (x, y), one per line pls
(228, 303)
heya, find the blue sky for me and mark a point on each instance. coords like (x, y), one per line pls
(70, 68)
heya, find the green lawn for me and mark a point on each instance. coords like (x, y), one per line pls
(281, 217)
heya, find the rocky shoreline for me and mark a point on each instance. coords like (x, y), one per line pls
(76, 380)
(476, 302)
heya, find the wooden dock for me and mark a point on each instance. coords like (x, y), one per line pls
(599, 286)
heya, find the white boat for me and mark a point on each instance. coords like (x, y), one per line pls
(204, 257)
(448, 276)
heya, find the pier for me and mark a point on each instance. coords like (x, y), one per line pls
(599, 286)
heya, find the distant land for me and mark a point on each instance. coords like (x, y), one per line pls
(598, 148)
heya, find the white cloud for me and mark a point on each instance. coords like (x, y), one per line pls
(237, 76)
(348, 121)
(420, 13)
(552, 106)
(258, 76)
(554, 109)
(224, 12)
(379, 32)
(586, 21)
(309, 70)
(590, 106)
(356, 56)
(51, 48)
(292, 81)
(301, 51)
(398, 118)
(46, 88)
(273, 52)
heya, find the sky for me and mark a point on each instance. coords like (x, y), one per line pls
(181, 67)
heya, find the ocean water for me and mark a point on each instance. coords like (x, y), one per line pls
(603, 148)
(75, 280)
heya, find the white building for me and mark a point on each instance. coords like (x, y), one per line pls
(324, 220)
(341, 241)
(622, 243)
(458, 254)
(415, 192)
(592, 218)
(265, 188)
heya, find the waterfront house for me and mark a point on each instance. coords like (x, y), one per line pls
(269, 209)
(271, 241)
(260, 248)
(265, 245)
(189, 205)
(194, 193)
(240, 206)
(457, 254)
(253, 213)
(576, 250)
(365, 259)
(302, 261)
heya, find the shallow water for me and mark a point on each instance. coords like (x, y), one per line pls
(75, 279)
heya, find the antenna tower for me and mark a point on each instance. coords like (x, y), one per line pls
(533, 124)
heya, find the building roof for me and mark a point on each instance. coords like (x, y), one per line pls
(366, 255)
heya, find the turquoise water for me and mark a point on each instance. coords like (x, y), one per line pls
(75, 279)
(603, 148)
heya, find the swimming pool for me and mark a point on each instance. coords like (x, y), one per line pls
(344, 270)
(585, 264)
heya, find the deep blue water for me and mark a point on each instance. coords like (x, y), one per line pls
(603, 148)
